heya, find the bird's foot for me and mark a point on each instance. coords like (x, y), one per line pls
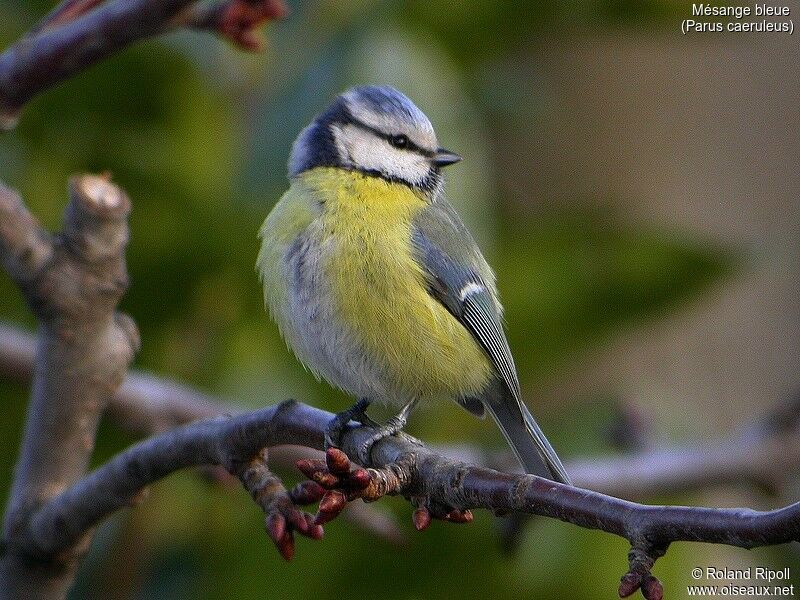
(337, 425)
(392, 427)
(344, 482)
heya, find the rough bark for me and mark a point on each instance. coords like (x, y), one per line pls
(72, 282)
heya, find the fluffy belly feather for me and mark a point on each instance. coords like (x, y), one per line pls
(359, 313)
(423, 351)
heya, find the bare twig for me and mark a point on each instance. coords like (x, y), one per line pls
(282, 516)
(80, 33)
(764, 461)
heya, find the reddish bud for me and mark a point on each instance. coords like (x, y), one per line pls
(629, 583)
(310, 529)
(422, 519)
(457, 516)
(297, 520)
(307, 492)
(360, 478)
(251, 40)
(239, 18)
(276, 527)
(652, 588)
(337, 461)
(286, 546)
(315, 532)
(333, 501)
(309, 466)
(330, 506)
(326, 479)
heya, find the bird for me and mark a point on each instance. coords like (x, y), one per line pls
(375, 282)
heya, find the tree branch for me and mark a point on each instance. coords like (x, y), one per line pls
(145, 404)
(79, 33)
(235, 20)
(72, 282)
(418, 473)
(764, 453)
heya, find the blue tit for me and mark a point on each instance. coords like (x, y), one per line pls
(375, 282)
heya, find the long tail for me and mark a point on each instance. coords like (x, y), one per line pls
(524, 435)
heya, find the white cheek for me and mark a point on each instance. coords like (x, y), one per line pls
(399, 164)
(371, 153)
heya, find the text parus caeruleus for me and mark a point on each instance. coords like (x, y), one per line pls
(375, 282)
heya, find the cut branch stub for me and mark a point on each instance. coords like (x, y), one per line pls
(80, 284)
(95, 219)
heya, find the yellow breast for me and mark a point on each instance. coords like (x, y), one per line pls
(380, 290)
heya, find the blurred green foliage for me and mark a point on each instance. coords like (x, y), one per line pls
(198, 135)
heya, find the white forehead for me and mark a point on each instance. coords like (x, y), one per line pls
(391, 112)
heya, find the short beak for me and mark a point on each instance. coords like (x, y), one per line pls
(443, 158)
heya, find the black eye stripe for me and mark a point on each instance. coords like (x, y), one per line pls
(409, 145)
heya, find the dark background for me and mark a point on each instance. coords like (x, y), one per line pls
(635, 189)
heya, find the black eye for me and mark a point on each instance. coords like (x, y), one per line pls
(399, 141)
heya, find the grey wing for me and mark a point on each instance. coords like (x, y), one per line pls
(464, 291)
(462, 281)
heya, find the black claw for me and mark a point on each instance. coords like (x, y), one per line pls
(392, 427)
(337, 425)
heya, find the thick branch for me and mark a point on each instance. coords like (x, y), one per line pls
(80, 33)
(72, 282)
(418, 473)
(763, 454)
(223, 442)
(146, 404)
